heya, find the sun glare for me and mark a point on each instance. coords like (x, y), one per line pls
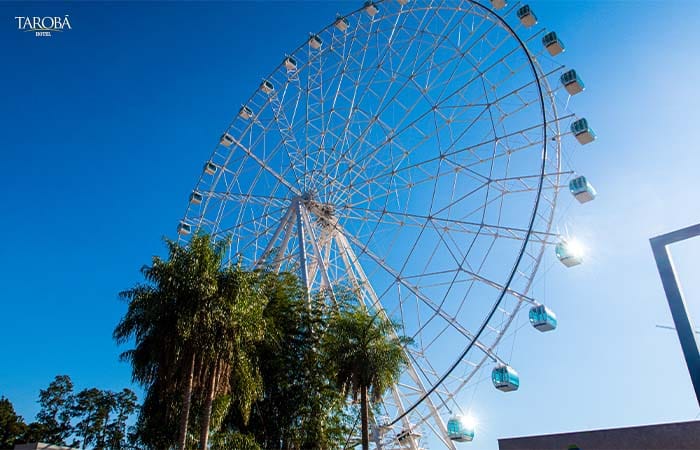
(468, 421)
(575, 248)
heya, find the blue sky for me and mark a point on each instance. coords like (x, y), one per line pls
(106, 126)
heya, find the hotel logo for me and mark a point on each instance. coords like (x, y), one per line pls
(43, 26)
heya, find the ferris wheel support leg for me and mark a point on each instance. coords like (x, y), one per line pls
(271, 245)
(319, 263)
(302, 249)
(363, 281)
(277, 264)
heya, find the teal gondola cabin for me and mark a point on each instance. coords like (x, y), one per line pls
(572, 82)
(505, 378)
(553, 44)
(583, 133)
(542, 318)
(526, 16)
(581, 189)
(459, 431)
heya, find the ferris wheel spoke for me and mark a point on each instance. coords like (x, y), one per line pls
(424, 298)
(386, 101)
(527, 144)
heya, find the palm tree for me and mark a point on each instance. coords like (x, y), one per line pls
(229, 328)
(366, 357)
(160, 319)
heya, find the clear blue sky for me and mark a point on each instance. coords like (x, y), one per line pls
(105, 128)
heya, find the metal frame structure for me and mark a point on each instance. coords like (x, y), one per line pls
(415, 158)
(676, 301)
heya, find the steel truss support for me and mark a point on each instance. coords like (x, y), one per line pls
(676, 301)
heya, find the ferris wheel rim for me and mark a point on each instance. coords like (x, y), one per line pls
(535, 209)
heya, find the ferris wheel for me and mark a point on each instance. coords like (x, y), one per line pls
(414, 152)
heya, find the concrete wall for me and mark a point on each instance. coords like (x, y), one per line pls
(670, 436)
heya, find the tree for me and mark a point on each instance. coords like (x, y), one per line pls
(103, 416)
(161, 319)
(56, 403)
(229, 326)
(300, 407)
(124, 405)
(92, 406)
(366, 356)
(194, 324)
(12, 426)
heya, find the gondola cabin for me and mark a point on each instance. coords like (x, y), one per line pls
(315, 42)
(572, 82)
(195, 198)
(267, 87)
(505, 378)
(569, 253)
(498, 4)
(290, 63)
(405, 434)
(582, 189)
(402, 2)
(459, 429)
(552, 43)
(341, 23)
(542, 318)
(210, 168)
(371, 8)
(245, 112)
(184, 228)
(226, 140)
(526, 16)
(584, 134)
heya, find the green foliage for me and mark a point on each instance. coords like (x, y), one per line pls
(56, 403)
(102, 417)
(234, 440)
(97, 418)
(194, 324)
(245, 354)
(364, 351)
(365, 355)
(300, 407)
(12, 426)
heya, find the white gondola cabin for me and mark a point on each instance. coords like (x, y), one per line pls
(245, 112)
(267, 87)
(195, 198)
(569, 253)
(582, 189)
(542, 318)
(553, 44)
(341, 23)
(526, 16)
(290, 63)
(460, 429)
(210, 168)
(498, 4)
(184, 228)
(315, 42)
(505, 378)
(584, 134)
(407, 433)
(572, 82)
(371, 8)
(226, 140)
